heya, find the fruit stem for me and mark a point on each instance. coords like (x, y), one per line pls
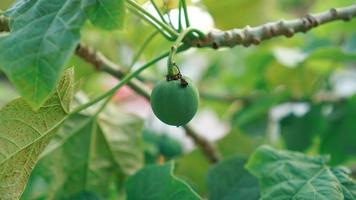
(143, 47)
(173, 69)
(185, 10)
(136, 7)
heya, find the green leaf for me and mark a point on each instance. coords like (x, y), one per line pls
(298, 132)
(348, 184)
(253, 118)
(291, 175)
(123, 132)
(93, 154)
(229, 180)
(24, 134)
(157, 182)
(236, 141)
(193, 168)
(339, 139)
(108, 14)
(19, 7)
(46, 34)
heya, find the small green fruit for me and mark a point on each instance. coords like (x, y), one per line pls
(174, 102)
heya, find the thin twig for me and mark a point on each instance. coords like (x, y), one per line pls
(186, 16)
(146, 14)
(158, 11)
(180, 27)
(153, 23)
(143, 47)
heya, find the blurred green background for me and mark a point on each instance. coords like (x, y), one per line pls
(295, 93)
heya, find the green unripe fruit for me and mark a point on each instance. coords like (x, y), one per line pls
(175, 102)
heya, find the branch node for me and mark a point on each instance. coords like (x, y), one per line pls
(215, 45)
(199, 44)
(247, 39)
(266, 31)
(273, 31)
(313, 21)
(334, 12)
(255, 40)
(289, 32)
(227, 35)
(239, 37)
(347, 18)
(281, 24)
(227, 38)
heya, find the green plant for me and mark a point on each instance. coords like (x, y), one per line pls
(54, 147)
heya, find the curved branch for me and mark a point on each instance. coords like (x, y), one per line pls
(255, 35)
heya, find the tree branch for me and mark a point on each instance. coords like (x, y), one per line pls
(100, 62)
(255, 35)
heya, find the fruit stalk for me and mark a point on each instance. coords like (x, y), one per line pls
(173, 70)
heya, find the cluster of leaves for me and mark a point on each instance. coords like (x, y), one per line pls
(268, 174)
(46, 152)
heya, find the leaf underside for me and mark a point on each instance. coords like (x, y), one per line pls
(93, 153)
(24, 134)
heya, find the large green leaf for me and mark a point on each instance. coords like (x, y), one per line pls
(290, 175)
(123, 133)
(298, 132)
(93, 152)
(253, 119)
(339, 139)
(229, 180)
(24, 134)
(193, 168)
(46, 34)
(108, 14)
(348, 184)
(157, 182)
